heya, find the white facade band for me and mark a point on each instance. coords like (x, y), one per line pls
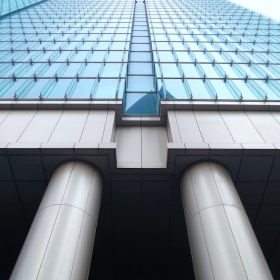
(60, 241)
(223, 244)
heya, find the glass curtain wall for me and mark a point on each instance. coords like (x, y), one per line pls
(66, 49)
(214, 49)
(9, 6)
(141, 95)
(202, 49)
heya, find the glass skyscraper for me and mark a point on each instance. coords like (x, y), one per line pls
(139, 52)
(163, 114)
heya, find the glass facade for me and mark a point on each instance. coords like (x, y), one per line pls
(66, 49)
(9, 6)
(140, 52)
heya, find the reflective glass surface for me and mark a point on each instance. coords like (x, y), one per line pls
(214, 49)
(65, 49)
(170, 49)
(9, 6)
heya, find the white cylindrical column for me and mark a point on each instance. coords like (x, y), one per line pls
(60, 241)
(223, 243)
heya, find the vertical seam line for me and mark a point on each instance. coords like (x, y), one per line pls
(84, 126)
(27, 124)
(228, 221)
(227, 127)
(105, 125)
(202, 228)
(7, 110)
(77, 246)
(55, 222)
(198, 126)
(254, 126)
(177, 125)
(62, 112)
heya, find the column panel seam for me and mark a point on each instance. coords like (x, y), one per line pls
(202, 228)
(233, 236)
(54, 223)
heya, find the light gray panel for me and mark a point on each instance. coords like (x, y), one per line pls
(128, 147)
(69, 220)
(223, 252)
(172, 128)
(154, 147)
(33, 250)
(83, 254)
(94, 128)
(266, 125)
(225, 186)
(94, 198)
(222, 224)
(276, 115)
(41, 126)
(212, 127)
(189, 130)
(169, 134)
(14, 125)
(203, 267)
(81, 178)
(241, 128)
(70, 126)
(109, 132)
(3, 115)
(247, 244)
(204, 187)
(60, 232)
(54, 195)
(188, 197)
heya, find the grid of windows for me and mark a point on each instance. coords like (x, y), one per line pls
(202, 49)
(71, 49)
(216, 48)
(9, 6)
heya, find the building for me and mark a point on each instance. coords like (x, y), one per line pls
(136, 97)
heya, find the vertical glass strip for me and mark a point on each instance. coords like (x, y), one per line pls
(141, 95)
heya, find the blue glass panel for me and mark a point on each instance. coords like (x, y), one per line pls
(91, 70)
(140, 83)
(246, 92)
(140, 56)
(112, 70)
(140, 47)
(141, 104)
(107, 88)
(140, 40)
(35, 91)
(270, 94)
(199, 90)
(221, 89)
(141, 68)
(170, 70)
(82, 88)
(176, 88)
